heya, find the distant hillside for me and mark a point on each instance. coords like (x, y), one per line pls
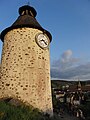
(59, 83)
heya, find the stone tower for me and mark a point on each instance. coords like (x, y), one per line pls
(25, 64)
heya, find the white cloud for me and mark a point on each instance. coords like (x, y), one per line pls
(66, 61)
(66, 56)
(68, 67)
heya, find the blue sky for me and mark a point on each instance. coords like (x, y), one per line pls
(69, 23)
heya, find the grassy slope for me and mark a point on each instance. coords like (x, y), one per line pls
(21, 112)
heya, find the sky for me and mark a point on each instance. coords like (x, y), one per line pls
(69, 23)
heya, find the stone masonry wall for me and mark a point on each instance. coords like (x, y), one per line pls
(25, 69)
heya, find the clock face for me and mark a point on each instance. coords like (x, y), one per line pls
(42, 40)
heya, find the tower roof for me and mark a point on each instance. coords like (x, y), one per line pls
(26, 19)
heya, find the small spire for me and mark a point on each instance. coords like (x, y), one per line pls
(28, 2)
(79, 85)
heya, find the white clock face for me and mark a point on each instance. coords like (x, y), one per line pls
(42, 40)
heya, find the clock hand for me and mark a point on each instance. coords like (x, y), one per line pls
(44, 41)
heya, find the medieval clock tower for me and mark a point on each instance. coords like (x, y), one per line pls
(25, 64)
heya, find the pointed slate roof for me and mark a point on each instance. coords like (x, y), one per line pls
(26, 19)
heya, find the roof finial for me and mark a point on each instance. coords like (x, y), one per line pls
(28, 2)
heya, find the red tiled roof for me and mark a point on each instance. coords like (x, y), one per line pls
(74, 88)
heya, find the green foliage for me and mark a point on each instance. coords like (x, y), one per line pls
(54, 99)
(7, 112)
(86, 109)
(21, 112)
